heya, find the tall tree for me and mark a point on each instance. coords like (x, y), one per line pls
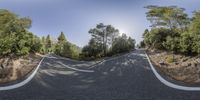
(59, 49)
(170, 17)
(14, 29)
(48, 43)
(62, 38)
(104, 35)
(195, 32)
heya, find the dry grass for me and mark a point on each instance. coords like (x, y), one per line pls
(183, 69)
(18, 68)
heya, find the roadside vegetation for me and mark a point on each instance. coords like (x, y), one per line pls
(173, 41)
(172, 30)
(106, 41)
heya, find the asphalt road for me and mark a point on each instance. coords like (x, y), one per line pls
(127, 77)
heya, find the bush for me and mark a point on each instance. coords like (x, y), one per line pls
(170, 59)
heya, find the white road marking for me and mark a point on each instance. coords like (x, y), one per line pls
(80, 70)
(28, 79)
(169, 84)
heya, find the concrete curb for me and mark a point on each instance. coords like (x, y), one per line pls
(169, 84)
(22, 83)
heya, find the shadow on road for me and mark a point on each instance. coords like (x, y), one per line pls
(108, 74)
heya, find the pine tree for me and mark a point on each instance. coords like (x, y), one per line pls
(48, 44)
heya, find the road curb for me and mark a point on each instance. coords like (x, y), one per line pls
(167, 83)
(22, 83)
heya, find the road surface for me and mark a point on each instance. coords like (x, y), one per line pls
(126, 77)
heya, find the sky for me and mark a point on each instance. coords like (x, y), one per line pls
(76, 17)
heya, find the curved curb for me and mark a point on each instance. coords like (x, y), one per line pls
(9, 87)
(169, 84)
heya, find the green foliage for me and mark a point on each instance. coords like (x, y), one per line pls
(14, 37)
(93, 49)
(155, 37)
(6, 44)
(172, 43)
(36, 44)
(123, 44)
(167, 16)
(172, 30)
(196, 44)
(195, 32)
(104, 35)
(195, 25)
(66, 49)
(170, 59)
(186, 41)
(106, 41)
(62, 38)
(49, 44)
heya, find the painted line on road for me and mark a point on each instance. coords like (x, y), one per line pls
(28, 79)
(109, 59)
(169, 84)
(76, 69)
(80, 70)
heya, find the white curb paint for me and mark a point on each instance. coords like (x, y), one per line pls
(169, 84)
(59, 57)
(24, 81)
(109, 59)
(80, 70)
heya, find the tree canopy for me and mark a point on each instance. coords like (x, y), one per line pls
(105, 40)
(172, 30)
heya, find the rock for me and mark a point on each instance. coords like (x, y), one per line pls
(194, 65)
(183, 64)
(189, 64)
(197, 64)
(2, 66)
(176, 63)
(184, 60)
(161, 63)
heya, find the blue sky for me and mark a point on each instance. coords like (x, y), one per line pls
(76, 17)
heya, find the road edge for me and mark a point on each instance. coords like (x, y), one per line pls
(167, 83)
(22, 83)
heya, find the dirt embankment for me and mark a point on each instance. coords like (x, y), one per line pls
(13, 69)
(180, 67)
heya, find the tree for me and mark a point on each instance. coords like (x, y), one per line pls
(106, 41)
(186, 41)
(131, 43)
(123, 44)
(104, 35)
(196, 44)
(62, 38)
(167, 16)
(48, 44)
(36, 45)
(172, 43)
(13, 31)
(59, 49)
(145, 33)
(65, 48)
(170, 17)
(93, 49)
(43, 48)
(195, 32)
(155, 38)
